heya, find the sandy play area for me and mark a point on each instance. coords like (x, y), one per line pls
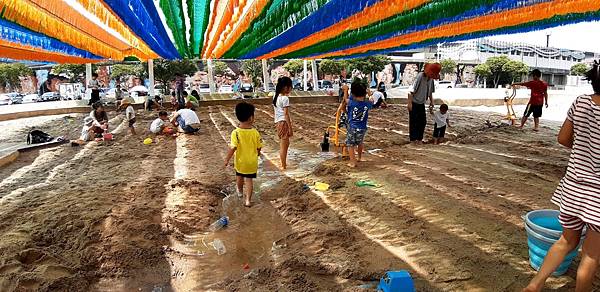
(125, 216)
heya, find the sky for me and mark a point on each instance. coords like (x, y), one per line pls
(583, 36)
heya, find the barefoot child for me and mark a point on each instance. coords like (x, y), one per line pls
(441, 122)
(283, 120)
(160, 125)
(246, 144)
(129, 114)
(539, 93)
(578, 193)
(358, 115)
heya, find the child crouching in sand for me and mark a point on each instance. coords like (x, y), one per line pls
(441, 122)
(161, 124)
(358, 114)
(246, 144)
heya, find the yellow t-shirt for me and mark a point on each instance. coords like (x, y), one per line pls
(247, 142)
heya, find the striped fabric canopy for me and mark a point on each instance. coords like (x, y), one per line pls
(87, 31)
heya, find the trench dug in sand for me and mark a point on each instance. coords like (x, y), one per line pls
(134, 217)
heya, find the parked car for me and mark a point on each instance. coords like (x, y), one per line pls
(298, 85)
(445, 84)
(203, 88)
(15, 97)
(246, 87)
(226, 89)
(50, 96)
(31, 98)
(5, 99)
(325, 84)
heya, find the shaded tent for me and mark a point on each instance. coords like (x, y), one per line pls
(87, 31)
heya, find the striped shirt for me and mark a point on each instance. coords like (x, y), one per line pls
(578, 193)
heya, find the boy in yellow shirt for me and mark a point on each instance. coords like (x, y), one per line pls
(246, 144)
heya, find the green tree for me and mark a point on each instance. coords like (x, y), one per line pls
(483, 70)
(369, 64)
(253, 69)
(220, 68)
(332, 67)
(166, 70)
(75, 72)
(448, 67)
(579, 69)
(294, 67)
(120, 71)
(496, 65)
(10, 75)
(515, 69)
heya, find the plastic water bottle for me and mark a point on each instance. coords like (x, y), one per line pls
(219, 246)
(222, 222)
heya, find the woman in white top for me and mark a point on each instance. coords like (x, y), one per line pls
(283, 121)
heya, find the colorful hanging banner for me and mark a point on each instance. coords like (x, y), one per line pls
(280, 16)
(240, 26)
(14, 33)
(104, 14)
(376, 12)
(221, 21)
(36, 18)
(23, 52)
(199, 12)
(173, 11)
(488, 22)
(143, 19)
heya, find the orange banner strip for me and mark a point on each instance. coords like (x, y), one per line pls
(30, 15)
(21, 52)
(211, 23)
(240, 26)
(488, 22)
(374, 13)
(225, 20)
(108, 17)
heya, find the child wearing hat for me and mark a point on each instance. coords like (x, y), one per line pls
(87, 132)
(129, 114)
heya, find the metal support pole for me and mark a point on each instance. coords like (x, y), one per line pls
(315, 76)
(211, 77)
(151, 77)
(305, 77)
(266, 78)
(88, 74)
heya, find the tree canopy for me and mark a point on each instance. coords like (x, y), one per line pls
(119, 71)
(369, 64)
(501, 70)
(166, 70)
(579, 69)
(332, 67)
(515, 70)
(294, 67)
(10, 75)
(448, 66)
(74, 72)
(253, 69)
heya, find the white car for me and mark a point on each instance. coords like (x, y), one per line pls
(226, 89)
(445, 84)
(203, 88)
(30, 98)
(5, 99)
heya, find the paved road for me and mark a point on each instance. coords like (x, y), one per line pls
(14, 108)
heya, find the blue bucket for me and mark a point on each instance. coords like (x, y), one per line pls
(543, 230)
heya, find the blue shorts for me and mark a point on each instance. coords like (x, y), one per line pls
(355, 136)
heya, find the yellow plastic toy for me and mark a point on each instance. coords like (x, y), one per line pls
(334, 132)
(319, 186)
(147, 141)
(508, 102)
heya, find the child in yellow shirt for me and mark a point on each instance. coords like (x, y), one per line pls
(246, 144)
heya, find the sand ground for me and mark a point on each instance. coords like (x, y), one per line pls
(124, 216)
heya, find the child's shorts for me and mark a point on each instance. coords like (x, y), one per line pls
(253, 175)
(439, 132)
(575, 223)
(131, 122)
(355, 136)
(536, 110)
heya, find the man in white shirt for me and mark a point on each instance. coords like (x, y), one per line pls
(186, 120)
